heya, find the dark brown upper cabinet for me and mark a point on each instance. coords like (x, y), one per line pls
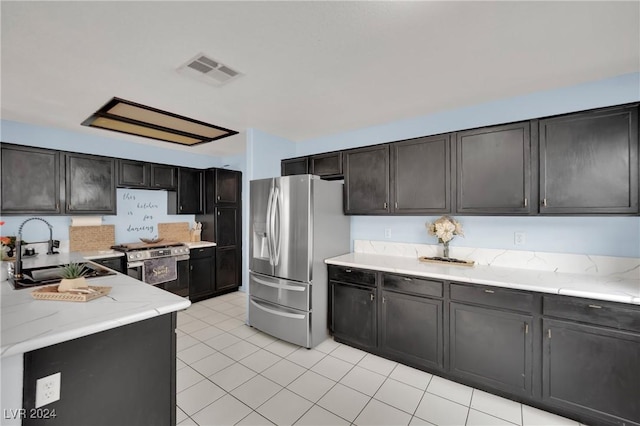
(188, 198)
(134, 174)
(221, 187)
(327, 166)
(589, 162)
(493, 170)
(366, 180)
(30, 180)
(164, 177)
(294, 166)
(421, 176)
(227, 186)
(90, 184)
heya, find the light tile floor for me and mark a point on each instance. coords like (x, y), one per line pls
(231, 374)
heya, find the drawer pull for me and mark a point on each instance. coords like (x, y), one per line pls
(489, 291)
(407, 279)
(384, 299)
(347, 270)
(371, 296)
(595, 306)
(526, 328)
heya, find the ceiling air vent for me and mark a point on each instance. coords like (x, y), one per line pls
(208, 70)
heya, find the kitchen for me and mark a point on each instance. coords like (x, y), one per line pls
(257, 152)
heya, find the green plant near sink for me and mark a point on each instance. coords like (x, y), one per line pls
(72, 277)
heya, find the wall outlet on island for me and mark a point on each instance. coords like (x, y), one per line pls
(387, 233)
(48, 390)
(519, 238)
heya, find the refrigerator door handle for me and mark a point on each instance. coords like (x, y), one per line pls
(277, 236)
(279, 313)
(279, 286)
(269, 231)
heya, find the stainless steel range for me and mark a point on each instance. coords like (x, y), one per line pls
(163, 264)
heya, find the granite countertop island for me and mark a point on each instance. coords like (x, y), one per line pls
(613, 288)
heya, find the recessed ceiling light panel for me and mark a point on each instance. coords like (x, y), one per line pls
(208, 70)
(129, 117)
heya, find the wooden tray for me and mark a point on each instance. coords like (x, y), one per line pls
(450, 262)
(51, 293)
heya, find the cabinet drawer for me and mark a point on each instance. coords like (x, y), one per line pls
(593, 311)
(202, 252)
(493, 296)
(352, 275)
(413, 285)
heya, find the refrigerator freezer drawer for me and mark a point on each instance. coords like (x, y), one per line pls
(287, 324)
(292, 294)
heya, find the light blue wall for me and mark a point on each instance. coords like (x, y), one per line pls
(613, 91)
(612, 236)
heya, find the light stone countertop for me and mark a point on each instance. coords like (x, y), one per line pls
(611, 288)
(27, 324)
(200, 244)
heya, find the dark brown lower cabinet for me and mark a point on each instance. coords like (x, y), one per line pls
(491, 347)
(421, 345)
(353, 317)
(579, 358)
(227, 268)
(592, 369)
(202, 273)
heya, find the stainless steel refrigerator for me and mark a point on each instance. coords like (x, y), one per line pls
(296, 223)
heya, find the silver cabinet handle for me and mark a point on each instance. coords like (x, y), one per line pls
(595, 306)
(385, 204)
(407, 279)
(489, 291)
(544, 202)
(371, 296)
(347, 270)
(526, 201)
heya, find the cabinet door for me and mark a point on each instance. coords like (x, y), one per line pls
(493, 170)
(491, 347)
(589, 162)
(228, 184)
(201, 276)
(591, 369)
(90, 184)
(294, 166)
(353, 314)
(411, 329)
(164, 177)
(420, 175)
(227, 268)
(189, 191)
(30, 180)
(326, 165)
(366, 180)
(133, 174)
(226, 226)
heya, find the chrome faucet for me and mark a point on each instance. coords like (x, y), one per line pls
(17, 271)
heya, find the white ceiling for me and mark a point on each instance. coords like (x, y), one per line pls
(311, 68)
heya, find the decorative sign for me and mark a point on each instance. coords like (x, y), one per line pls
(139, 213)
(160, 270)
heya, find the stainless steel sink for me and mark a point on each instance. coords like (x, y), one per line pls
(44, 275)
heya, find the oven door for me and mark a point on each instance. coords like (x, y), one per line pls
(179, 286)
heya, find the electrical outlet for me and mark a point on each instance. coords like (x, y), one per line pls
(48, 390)
(387, 233)
(519, 238)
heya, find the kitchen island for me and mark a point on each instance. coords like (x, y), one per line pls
(116, 354)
